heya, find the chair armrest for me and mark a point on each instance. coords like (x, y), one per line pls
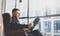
(20, 32)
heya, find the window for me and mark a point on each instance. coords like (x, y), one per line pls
(23, 8)
(47, 26)
(57, 26)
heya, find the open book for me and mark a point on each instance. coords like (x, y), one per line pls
(36, 21)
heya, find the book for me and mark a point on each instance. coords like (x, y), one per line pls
(36, 21)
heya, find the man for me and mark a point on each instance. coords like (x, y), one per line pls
(15, 17)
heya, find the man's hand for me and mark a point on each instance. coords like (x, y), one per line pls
(30, 25)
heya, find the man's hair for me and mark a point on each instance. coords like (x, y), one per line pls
(15, 9)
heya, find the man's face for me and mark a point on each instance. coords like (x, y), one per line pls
(16, 14)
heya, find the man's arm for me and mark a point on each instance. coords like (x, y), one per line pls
(18, 26)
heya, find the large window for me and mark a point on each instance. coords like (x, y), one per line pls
(34, 7)
(29, 9)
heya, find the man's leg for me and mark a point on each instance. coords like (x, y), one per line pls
(36, 33)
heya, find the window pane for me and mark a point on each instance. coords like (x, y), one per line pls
(57, 7)
(57, 26)
(37, 7)
(51, 7)
(23, 8)
(23, 21)
(47, 26)
(10, 4)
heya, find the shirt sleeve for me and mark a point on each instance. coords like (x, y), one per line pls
(18, 26)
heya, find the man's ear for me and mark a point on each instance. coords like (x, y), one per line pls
(13, 14)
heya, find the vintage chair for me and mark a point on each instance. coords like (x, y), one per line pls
(7, 25)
